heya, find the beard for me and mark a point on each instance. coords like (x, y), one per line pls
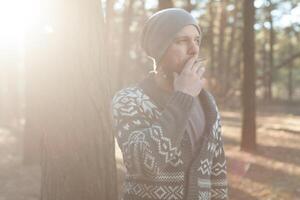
(176, 65)
(169, 70)
(172, 67)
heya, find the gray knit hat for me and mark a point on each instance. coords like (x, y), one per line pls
(161, 28)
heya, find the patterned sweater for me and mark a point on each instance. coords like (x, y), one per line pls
(157, 150)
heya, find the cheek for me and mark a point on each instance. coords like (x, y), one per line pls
(178, 61)
(172, 64)
(174, 60)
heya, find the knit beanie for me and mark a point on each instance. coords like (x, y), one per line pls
(161, 28)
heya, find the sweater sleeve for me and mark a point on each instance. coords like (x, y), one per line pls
(148, 146)
(219, 187)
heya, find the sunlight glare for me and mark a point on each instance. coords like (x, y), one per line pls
(16, 17)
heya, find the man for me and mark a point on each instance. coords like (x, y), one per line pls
(168, 126)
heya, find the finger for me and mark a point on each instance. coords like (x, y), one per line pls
(200, 71)
(189, 64)
(201, 85)
(204, 82)
(196, 66)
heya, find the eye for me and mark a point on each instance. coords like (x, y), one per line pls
(181, 41)
(198, 41)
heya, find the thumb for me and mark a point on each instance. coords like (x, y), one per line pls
(204, 82)
(175, 75)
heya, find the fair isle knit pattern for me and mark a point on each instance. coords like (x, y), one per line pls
(157, 151)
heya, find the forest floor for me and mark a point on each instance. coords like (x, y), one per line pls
(272, 173)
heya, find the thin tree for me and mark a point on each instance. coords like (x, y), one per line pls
(222, 37)
(190, 5)
(163, 4)
(248, 142)
(125, 42)
(78, 159)
(269, 93)
(35, 61)
(230, 48)
(290, 86)
(110, 35)
(211, 36)
(32, 135)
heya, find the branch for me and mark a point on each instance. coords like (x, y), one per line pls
(288, 60)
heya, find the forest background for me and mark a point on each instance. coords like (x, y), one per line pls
(62, 61)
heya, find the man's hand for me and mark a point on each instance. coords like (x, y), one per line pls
(190, 80)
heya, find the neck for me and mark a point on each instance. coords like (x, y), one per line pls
(164, 83)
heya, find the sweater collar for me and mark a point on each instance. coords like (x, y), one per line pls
(157, 94)
(160, 98)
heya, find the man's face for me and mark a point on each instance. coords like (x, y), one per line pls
(184, 46)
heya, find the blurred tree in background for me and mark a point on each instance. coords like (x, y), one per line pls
(248, 141)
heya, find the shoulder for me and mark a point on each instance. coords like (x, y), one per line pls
(130, 96)
(134, 99)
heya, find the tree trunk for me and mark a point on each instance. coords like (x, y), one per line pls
(230, 48)
(125, 44)
(31, 142)
(264, 69)
(9, 90)
(110, 45)
(266, 66)
(34, 58)
(222, 27)
(290, 83)
(221, 40)
(163, 4)
(189, 6)
(32, 136)
(290, 78)
(271, 53)
(211, 37)
(248, 142)
(78, 159)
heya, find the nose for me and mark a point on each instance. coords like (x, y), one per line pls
(193, 48)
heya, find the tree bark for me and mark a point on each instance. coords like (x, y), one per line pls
(221, 39)
(125, 43)
(9, 90)
(271, 53)
(290, 78)
(110, 45)
(290, 83)
(264, 69)
(248, 142)
(35, 52)
(189, 6)
(163, 4)
(211, 37)
(78, 159)
(230, 48)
